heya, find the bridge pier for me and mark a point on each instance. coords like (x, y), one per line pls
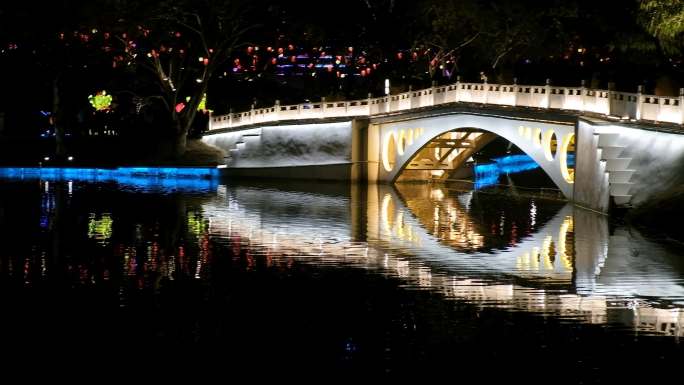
(359, 150)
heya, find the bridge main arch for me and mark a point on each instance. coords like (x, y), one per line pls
(399, 142)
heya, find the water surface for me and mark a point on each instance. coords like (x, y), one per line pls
(328, 278)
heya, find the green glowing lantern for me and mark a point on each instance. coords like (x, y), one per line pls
(203, 103)
(100, 101)
(202, 106)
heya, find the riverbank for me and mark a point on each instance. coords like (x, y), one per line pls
(111, 153)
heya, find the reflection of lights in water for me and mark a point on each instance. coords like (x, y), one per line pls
(533, 214)
(196, 224)
(546, 249)
(400, 224)
(437, 194)
(387, 213)
(543, 259)
(198, 269)
(402, 268)
(566, 257)
(43, 264)
(533, 257)
(424, 276)
(100, 228)
(47, 207)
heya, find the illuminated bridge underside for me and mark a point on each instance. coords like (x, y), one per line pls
(444, 154)
(430, 147)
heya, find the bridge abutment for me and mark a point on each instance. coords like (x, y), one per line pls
(591, 178)
(359, 150)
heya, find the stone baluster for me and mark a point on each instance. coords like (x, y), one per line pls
(681, 106)
(547, 91)
(639, 102)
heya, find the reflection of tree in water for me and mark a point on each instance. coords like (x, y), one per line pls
(474, 221)
(98, 236)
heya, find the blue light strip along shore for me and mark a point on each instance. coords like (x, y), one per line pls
(104, 174)
(145, 178)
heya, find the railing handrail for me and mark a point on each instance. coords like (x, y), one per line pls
(625, 105)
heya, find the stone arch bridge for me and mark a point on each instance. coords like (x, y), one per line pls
(616, 139)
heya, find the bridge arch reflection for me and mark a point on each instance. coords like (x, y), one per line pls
(562, 262)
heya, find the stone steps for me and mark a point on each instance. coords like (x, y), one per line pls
(608, 139)
(620, 176)
(616, 167)
(617, 164)
(620, 189)
(611, 152)
(622, 200)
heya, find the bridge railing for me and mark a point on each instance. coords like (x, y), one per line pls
(620, 105)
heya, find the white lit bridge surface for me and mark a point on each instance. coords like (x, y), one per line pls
(565, 264)
(617, 105)
(615, 162)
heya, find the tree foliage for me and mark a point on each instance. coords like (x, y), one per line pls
(175, 53)
(664, 19)
(484, 34)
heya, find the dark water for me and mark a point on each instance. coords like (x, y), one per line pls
(324, 280)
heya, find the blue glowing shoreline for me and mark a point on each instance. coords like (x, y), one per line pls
(142, 178)
(108, 173)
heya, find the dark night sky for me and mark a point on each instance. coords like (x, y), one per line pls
(615, 46)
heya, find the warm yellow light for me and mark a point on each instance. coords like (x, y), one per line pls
(546, 143)
(401, 142)
(536, 138)
(437, 194)
(386, 213)
(546, 251)
(566, 227)
(387, 150)
(568, 173)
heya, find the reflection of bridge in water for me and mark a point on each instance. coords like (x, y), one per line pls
(564, 264)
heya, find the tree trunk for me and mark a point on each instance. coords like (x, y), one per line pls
(60, 147)
(180, 143)
(185, 120)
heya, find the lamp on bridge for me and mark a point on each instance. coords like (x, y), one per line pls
(387, 87)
